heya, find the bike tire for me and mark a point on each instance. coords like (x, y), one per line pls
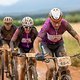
(14, 70)
(66, 77)
(2, 67)
(55, 76)
(34, 73)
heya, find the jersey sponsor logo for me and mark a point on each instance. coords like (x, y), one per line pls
(54, 38)
(24, 40)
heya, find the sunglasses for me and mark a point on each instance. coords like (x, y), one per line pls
(7, 23)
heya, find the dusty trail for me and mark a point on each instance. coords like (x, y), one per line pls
(41, 68)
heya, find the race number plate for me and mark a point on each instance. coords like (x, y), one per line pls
(30, 54)
(64, 61)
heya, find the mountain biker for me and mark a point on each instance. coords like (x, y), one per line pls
(50, 37)
(6, 32)
(25, 34)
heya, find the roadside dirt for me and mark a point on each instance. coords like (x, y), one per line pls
(42, 68)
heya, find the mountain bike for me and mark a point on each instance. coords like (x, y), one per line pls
(11, 72)
(29, 65)
(60, 62)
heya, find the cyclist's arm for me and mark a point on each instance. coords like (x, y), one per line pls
(41, 35)
(13, 39)
(37, 41)
(73, 33)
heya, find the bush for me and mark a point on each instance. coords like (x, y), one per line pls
(39, 21)
(73, 18)
(17, 22)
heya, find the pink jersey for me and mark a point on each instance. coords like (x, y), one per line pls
(51, 35)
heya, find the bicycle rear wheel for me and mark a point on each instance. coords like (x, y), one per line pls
(14, 75)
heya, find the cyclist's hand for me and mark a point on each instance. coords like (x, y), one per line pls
(40, 57)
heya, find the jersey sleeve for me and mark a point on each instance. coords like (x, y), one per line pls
(44, 29)
(15, 35)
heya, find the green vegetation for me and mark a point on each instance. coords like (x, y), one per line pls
(73, 17)
(75, 62)
(40, 19)
(72, 48)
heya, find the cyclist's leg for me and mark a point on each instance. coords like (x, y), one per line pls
(50, 65)
(5, 46)
(45, 50)
(60, 51)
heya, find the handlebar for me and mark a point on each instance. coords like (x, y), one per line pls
(31, 55)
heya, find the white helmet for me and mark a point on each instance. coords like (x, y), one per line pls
(27, 21)
(7, 20)
(55, 13)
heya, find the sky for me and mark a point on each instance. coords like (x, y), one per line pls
(22, 6)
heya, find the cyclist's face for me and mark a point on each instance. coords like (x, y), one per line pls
(55, 23)
(8, 25)
(27, 29)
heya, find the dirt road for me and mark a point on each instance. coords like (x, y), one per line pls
(42, 68)
(75, 72)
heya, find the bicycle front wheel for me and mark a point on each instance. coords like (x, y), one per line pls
(14, 70)
(66, 77)
(2, 67)
(34, 73)
(55, 76)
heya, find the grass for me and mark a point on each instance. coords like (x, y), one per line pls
(71, 46)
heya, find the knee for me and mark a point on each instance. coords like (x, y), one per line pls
(62, 53)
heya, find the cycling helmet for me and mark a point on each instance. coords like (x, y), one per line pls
(7, 20)
(55, 13)
(27, 21)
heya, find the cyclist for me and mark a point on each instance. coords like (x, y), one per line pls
(50, 37)
(26, 34)
(6, 32)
